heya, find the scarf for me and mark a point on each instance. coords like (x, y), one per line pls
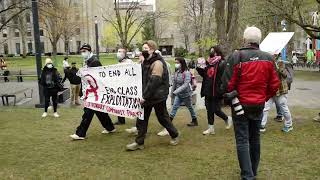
(213, 69)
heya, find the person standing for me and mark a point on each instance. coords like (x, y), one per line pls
(211, 72)
(75, 81)
(91, 61)
(65, 64)
(122, 58)
(247, 68)
(50, 78)
(4, 68)
(155, 87)
(281, 99)
(181, 92)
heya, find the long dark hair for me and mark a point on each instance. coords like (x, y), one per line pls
(183, 63)
(217, 50)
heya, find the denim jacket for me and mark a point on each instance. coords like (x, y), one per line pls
(181, 84)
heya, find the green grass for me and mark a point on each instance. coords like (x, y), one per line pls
(32, 148)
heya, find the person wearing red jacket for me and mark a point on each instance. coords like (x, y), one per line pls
(250, 79)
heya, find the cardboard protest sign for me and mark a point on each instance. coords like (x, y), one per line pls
(275, 42)
(115, 89)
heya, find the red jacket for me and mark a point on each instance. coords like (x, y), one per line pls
(258, 80)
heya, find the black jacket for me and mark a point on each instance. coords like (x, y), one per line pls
(155, 88)
(71, 75)
(93, 62)
(208, 82)
(50, 78)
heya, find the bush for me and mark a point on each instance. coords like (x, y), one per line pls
(10, 55)
(180, 52)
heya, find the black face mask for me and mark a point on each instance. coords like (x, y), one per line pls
(212, 54)
(145, 54)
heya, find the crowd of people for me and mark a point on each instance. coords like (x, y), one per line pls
(249, 80)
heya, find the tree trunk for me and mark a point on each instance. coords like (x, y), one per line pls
(220, 19)
(54, 48)
(24, 49)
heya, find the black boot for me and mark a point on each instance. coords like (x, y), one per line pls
(194, 122)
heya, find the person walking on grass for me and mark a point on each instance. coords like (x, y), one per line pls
(75, 81)
(91, 60)
(50, 78)
(122, 58)
(249, 80)
(181, 92)
(281, 99)
(155, 87)
(211, 72)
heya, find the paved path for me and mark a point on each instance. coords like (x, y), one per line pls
(304, 93)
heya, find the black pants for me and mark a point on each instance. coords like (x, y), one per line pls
(213, 106)
(53, 93)
(163, 118)
(121, 120)
(247, 134)
(87, 116)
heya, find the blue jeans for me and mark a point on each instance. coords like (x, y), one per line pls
(279, 112)
(247, 134)
(188, 103)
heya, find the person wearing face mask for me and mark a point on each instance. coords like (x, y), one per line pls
(122, 58)
(155, 87)
(182, 92)
(75, 81)
(211, 72)
(104, 118)
(49, 80)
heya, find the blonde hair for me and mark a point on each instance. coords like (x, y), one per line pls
(152, 44)
(252, 35)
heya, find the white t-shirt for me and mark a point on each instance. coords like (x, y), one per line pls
(65, 64)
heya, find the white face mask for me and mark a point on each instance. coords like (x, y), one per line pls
(85, 54)
(49, 66)
(177, 66)
(120, 56)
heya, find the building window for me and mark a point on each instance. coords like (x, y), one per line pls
(16, 33)
(4, 33)
(78, 31)
(6, 49)
(28, 19)
(3, 19)
(41, 32)
(18, 51)
(30, 47)
(29, 33)
(42, 47)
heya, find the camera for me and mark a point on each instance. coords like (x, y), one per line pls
(235, 102)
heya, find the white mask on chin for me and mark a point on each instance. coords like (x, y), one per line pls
(85, 55)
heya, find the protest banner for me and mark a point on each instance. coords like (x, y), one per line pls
(275, 42)
(115, 89)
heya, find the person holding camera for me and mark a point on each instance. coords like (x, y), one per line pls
(249, 80)
(211, 72)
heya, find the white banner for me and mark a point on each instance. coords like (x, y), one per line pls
(115, 89)
(275, 42)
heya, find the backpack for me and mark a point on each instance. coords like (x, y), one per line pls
(193, 82)
(289, 71)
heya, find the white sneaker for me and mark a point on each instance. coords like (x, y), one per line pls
(164, 132)
(174, 141)
(229, 122)
(56, 115)
(208, 131)
(134, 146)
(44, 115)
(76, 137)
(132, 130)
(108, 132)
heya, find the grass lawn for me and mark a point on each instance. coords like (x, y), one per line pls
(32, 148)
(307, 76)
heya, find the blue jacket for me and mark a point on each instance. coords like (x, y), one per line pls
(181, 84)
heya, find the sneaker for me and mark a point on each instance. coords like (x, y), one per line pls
(108, 132)
(164, 132)
(44, 115)
(229, 122)
(317, 119)
(209, 131)
(262, 129)
(279, 118)
(193, 123)
(134, 146)
(174, 141)
(76, 137)
(56, 115)
(132, 130)
(287, 129)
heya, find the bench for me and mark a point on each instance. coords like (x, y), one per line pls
(16, 74)
(5, 97)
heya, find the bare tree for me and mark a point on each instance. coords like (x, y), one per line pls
(128, 20)
(11, 10)
(227, 15)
